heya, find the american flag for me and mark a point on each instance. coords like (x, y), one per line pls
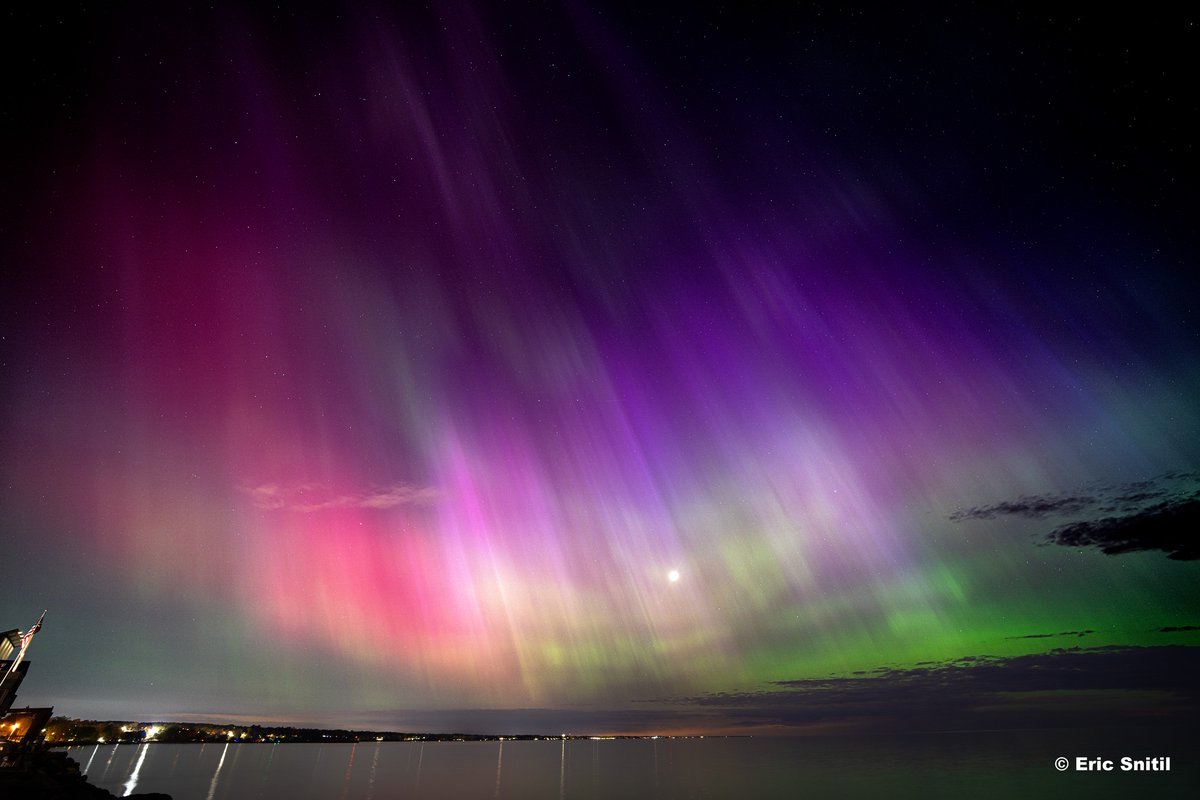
(28, 635)
(26, 638)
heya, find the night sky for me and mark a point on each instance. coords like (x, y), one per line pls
(592, 367)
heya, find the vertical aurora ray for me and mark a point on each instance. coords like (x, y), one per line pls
(418, 349)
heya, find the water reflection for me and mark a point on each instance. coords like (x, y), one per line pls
(499, 764)
(108, 764)
(266, 773)
(982, 766)
(655, 743)
(131, 784)
(420, 758)
(92, 758)
(212, 787)
(371, 777)
(346, 778)
(595, 767)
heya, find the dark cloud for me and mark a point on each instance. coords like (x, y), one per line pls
(1169, 526)
(1177, 628)
(1102, 498)
(1062, 688)
(1155, 514)
(1052, 635)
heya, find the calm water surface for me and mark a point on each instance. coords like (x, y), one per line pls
(1000, 765)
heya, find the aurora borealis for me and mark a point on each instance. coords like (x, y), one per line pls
(377, 364)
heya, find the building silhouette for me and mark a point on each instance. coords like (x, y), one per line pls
(20, 726)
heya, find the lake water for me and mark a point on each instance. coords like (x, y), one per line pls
(984, 765)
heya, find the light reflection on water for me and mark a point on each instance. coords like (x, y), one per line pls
(131, 784)
(992, 765)
(108, 764)
(91, 758)
(371, 778)
(212, 787)
(499, 764)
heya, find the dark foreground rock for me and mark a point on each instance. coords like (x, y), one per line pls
(50, 775)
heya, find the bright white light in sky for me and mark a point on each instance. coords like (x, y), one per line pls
(673, 576)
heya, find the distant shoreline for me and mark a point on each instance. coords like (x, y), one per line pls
(63, 732)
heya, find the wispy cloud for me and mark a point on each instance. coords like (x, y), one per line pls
(307, 498)
(1031, 506)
